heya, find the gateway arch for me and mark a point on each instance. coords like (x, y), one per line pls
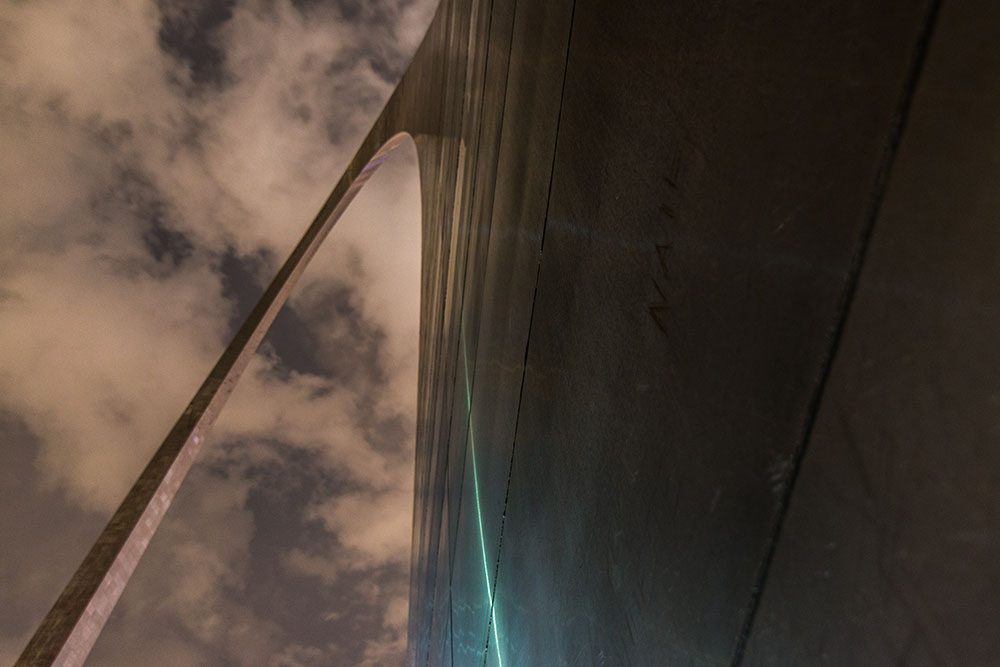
(708, 361)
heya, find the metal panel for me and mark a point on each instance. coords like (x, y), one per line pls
(891, 547)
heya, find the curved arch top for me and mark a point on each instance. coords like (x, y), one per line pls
(68, 632)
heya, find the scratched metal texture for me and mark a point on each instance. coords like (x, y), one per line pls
(714, 176)
(668, 240)
(891, 550)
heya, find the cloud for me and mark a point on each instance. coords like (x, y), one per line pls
(152, 152)
(368, 525)
(300, 656)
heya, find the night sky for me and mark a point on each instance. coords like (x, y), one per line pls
(160, 159)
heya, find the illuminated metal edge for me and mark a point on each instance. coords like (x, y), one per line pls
(479, 512)
(479, 516)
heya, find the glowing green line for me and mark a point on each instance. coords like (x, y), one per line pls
(479, 511)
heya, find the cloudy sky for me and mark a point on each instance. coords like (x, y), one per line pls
(159, 160)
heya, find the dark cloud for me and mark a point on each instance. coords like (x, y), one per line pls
(378, 22)
(336, 340)
(189, 31)
(242, 281)
(132, 199)
(167, 246)
(346, 345)
(113, 136)
(351, 11)
(282, 490)
(33, 565)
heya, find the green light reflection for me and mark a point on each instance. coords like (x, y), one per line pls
(479, 511)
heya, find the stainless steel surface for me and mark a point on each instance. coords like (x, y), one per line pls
(673, 254)
(890, 551)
